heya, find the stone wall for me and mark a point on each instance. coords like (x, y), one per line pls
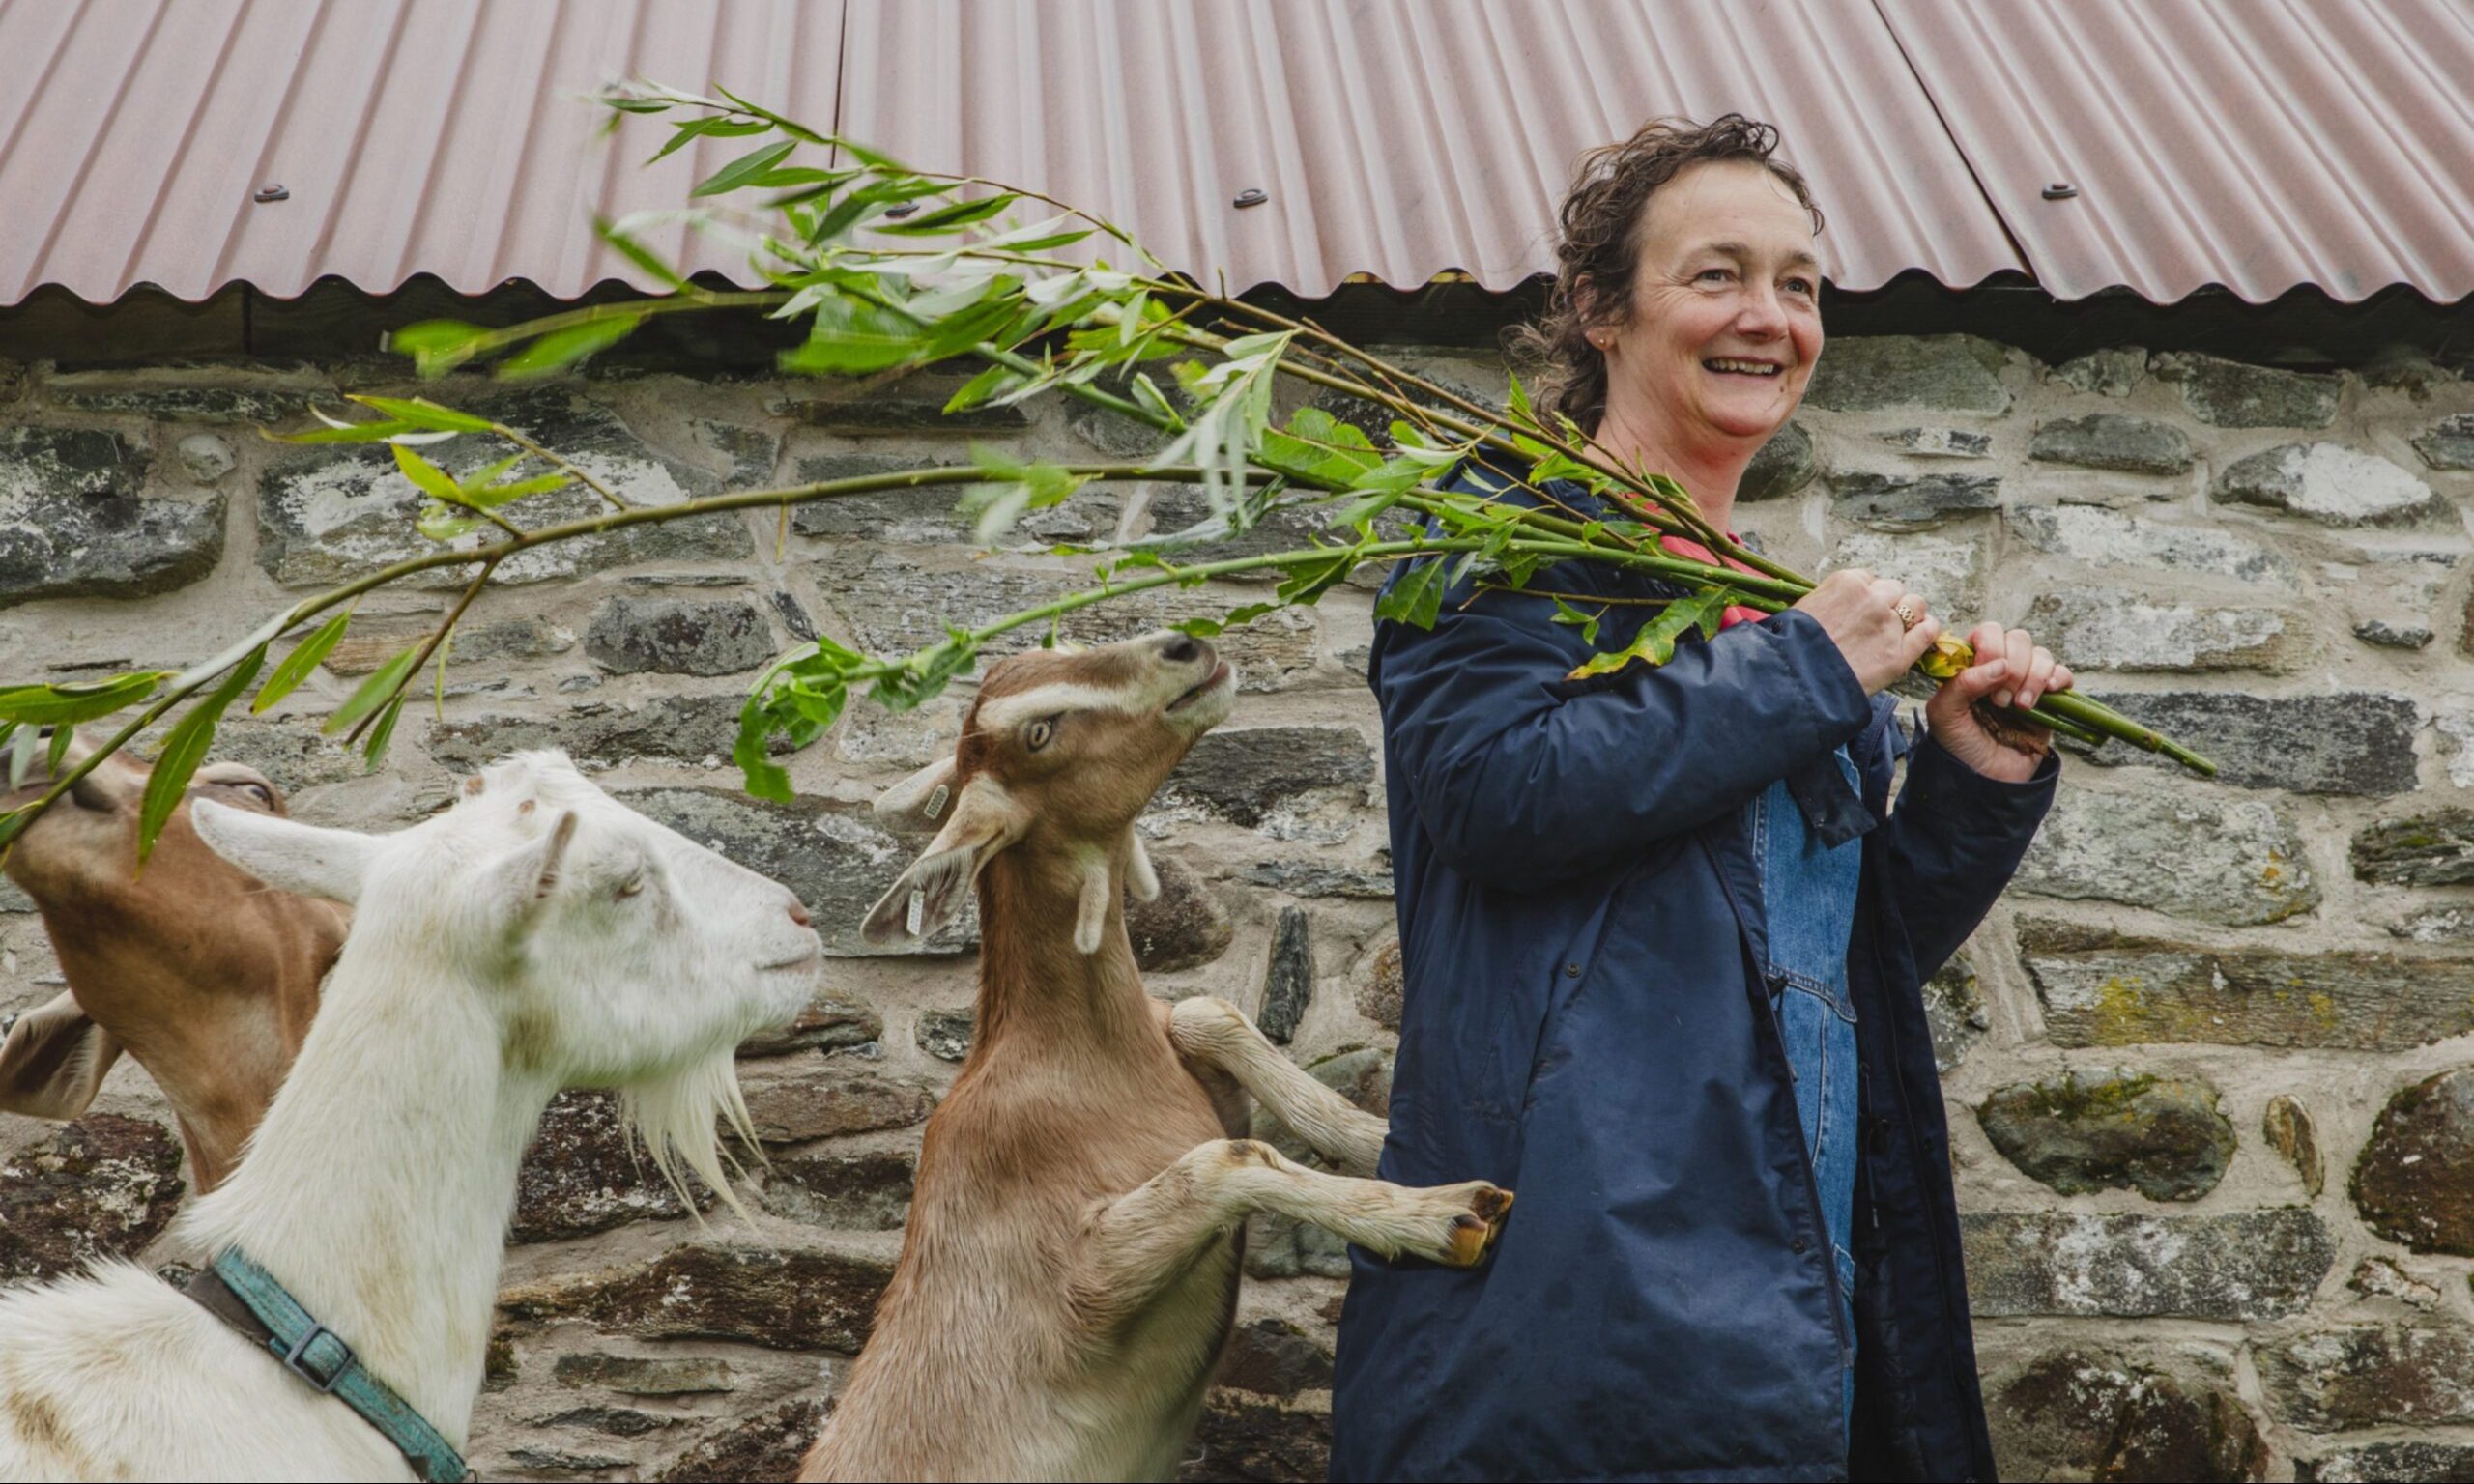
(2210, 1066)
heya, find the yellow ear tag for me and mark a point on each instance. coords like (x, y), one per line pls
(936, 807)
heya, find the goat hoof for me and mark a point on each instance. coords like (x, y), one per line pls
(1474, 1235)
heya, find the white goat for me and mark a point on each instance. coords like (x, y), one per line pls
(538, 935)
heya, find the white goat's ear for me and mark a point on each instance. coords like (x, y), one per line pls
(1140, 877)
(53, 1059)
(519, 881)
(985, 820)
(285, 853)
(919, 802)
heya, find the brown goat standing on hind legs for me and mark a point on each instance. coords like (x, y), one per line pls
(208, 978)
(1069, 1269)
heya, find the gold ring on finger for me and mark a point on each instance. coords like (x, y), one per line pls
(1908, 615)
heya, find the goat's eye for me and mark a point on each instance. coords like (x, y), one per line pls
(258, 791)
(1037, 734)
(633, 886)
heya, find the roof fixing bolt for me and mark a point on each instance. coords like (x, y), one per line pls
(899, 211)
(268, 193)
(2061, 190)
(1251, 195)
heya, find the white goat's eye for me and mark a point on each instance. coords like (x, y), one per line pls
(1037, 734)
(633, 885)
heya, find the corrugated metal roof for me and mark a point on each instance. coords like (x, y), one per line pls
(2260, 144)
(1408, 138)
(2255, 144)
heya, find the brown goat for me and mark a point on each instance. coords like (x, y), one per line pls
(1069, 1269)
(208, 978)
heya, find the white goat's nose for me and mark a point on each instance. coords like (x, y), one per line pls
(799, 912)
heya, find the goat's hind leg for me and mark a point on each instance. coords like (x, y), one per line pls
(1217, 1034)
(1137, 1243)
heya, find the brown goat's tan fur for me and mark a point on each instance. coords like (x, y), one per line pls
(206, 977)
(1069, 1269)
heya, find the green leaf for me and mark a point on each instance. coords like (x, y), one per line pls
(68, 703)
(297, 665)
(1588, 624)
(1416, 597)
(438, 345)
(497, 495)
(24, 743)
(979, 389)
(744, 170)
(373, 691)
(439, 522)
(716, 126)
(1309, 578)
(638, 253)
(1654, 645)
(960, 213)
(562, 348)
(765, 778)
(853, 337)
(183, 749)
(378, 432)
(373, 750)
(421, 413)
(432, 480)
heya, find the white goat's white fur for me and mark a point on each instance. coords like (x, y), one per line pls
(491, 960)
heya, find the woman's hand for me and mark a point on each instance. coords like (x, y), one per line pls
(1969, 716)
(1860, 612)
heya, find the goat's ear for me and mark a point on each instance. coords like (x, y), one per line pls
(285, 853)
(53, 1059)
(918, 803)
(1141, 877)
(985, 820)
(519, 881)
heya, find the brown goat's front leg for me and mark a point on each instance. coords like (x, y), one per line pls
(1133, 1246)
(1217, 1034)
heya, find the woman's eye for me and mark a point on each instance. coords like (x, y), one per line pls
(1037, 734)
(1804, 286)
(1714, 275)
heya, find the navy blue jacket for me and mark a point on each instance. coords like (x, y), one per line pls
(1583, 1024)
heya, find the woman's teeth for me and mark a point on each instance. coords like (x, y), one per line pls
(1742, 367)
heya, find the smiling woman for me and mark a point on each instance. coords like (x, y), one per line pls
(1662, 933)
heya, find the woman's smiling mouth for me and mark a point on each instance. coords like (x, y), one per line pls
(1728, 365)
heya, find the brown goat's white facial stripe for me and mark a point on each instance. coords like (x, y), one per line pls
(998, 713)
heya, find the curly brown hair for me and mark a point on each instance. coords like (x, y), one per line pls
(1600, 246)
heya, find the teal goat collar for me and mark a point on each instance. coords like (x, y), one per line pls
(246, 1297)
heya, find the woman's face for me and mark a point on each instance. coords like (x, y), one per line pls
(1725, 320)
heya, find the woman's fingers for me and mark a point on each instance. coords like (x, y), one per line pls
(2040, 668)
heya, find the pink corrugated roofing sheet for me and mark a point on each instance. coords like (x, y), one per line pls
(2260, 144)
(1401, 138)
(2254, 144)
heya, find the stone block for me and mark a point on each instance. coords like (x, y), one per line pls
(933, 514)
(1912, 501)
(2239, 861)
(2164, 1137)
(2382, 1277)
(858, 1192)
(1949, 373)
(2105, 989)
(1185, 926)
(253, 401)
(585, 1173)
(1242, 1438)
(101, 1187)
(205, 457)
(73, 524)
(2388, 1462)
(2328, 483)
(1938, 443)
(2413, 1182)
(1784, 464)
(946, 1034)
(907, 407)
(2241, 1265)
(2450, 444)
(2349, 742)
(779, 1299)
(1288, 983)
(2114, 372)
(2079, 1414)
(679, 636)
(827, 1024)
(2433, 849)
(1379, 982)
(751, 453)
(1319, 879)
(1273, 1357)
(895, 604)
(1184, 529)
(1247, 775)
(292, 753)
(2236, 394)
(2113, 440)
(1950, 573)
(2388, 634)
(2289, 1129)
(2097, 537)
(646, 1375)
(2350, 1376)
(695, 729)
(765, 1447)
(373, 641)
(1954, 1011)
(793, 1100)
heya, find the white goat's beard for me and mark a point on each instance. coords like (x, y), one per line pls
(674, 1118)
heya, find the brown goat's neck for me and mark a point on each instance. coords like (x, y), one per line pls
(1035, 986)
